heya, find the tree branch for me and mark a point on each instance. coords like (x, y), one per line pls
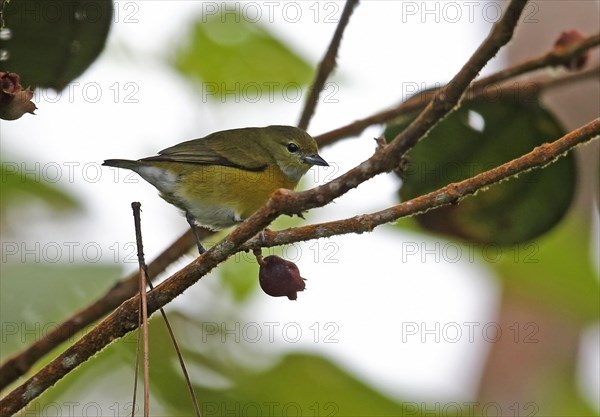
(327, 65)
(449, 96)
(555, 57)
(124, 318)
(539, 157)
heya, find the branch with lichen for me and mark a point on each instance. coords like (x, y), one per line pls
(539, 157)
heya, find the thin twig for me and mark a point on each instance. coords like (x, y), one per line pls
(146, 279)
(143, 304)
(138, 344)
(21, 362)
(137, 366)
(554, 57)
(123, 319)
(326, 66)
(146, 275)
(186, 375)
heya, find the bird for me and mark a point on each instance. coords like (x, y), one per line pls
(221, 179)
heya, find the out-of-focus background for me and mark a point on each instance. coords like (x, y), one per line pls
(394, 322)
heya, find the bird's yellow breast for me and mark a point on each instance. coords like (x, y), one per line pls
(220, 196)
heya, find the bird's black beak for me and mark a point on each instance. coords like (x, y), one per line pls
(315, 160)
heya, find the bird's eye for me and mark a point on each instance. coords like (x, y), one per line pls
(292, 147)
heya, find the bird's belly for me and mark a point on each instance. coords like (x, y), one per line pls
(214, 217)
(221, 201)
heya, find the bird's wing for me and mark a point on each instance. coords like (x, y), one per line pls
(227, 148)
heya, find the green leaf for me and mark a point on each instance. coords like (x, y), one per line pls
(36, 296)
(17, 188)
(481, 135)
(228, 53)
(555, 274)
(304, 384)
(240, 275)
(52, 43)
(296, 384)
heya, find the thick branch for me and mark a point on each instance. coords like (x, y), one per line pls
(450, 194)
(555, 57)
(326, 66)
(449, 96)
(124, 318)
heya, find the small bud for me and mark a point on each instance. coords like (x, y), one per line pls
(279, 277)
(14, 100)
(567, 39)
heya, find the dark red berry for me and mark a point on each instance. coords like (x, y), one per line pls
(14, 100)
(279, 277)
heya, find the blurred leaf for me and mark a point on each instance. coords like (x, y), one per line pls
(299, 384)
(228, 53)
(481, 135)
(303, 384)
(240, 275)
(550, 294)
(563, 398)
(18, 188)
(36, 295)
(555, 274)
(52, 43)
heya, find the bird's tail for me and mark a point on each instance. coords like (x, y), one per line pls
(122, 163)
(163, 179)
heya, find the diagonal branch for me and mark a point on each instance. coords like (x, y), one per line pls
(539, 157)
(326, 66)
(557, 56)
(124, 318)
(447, 98)
(554, 57)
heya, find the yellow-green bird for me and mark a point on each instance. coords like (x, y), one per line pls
(223, 178)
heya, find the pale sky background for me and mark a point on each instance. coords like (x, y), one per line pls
(373, 294)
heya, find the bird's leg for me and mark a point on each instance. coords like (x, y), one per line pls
(192, 222)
